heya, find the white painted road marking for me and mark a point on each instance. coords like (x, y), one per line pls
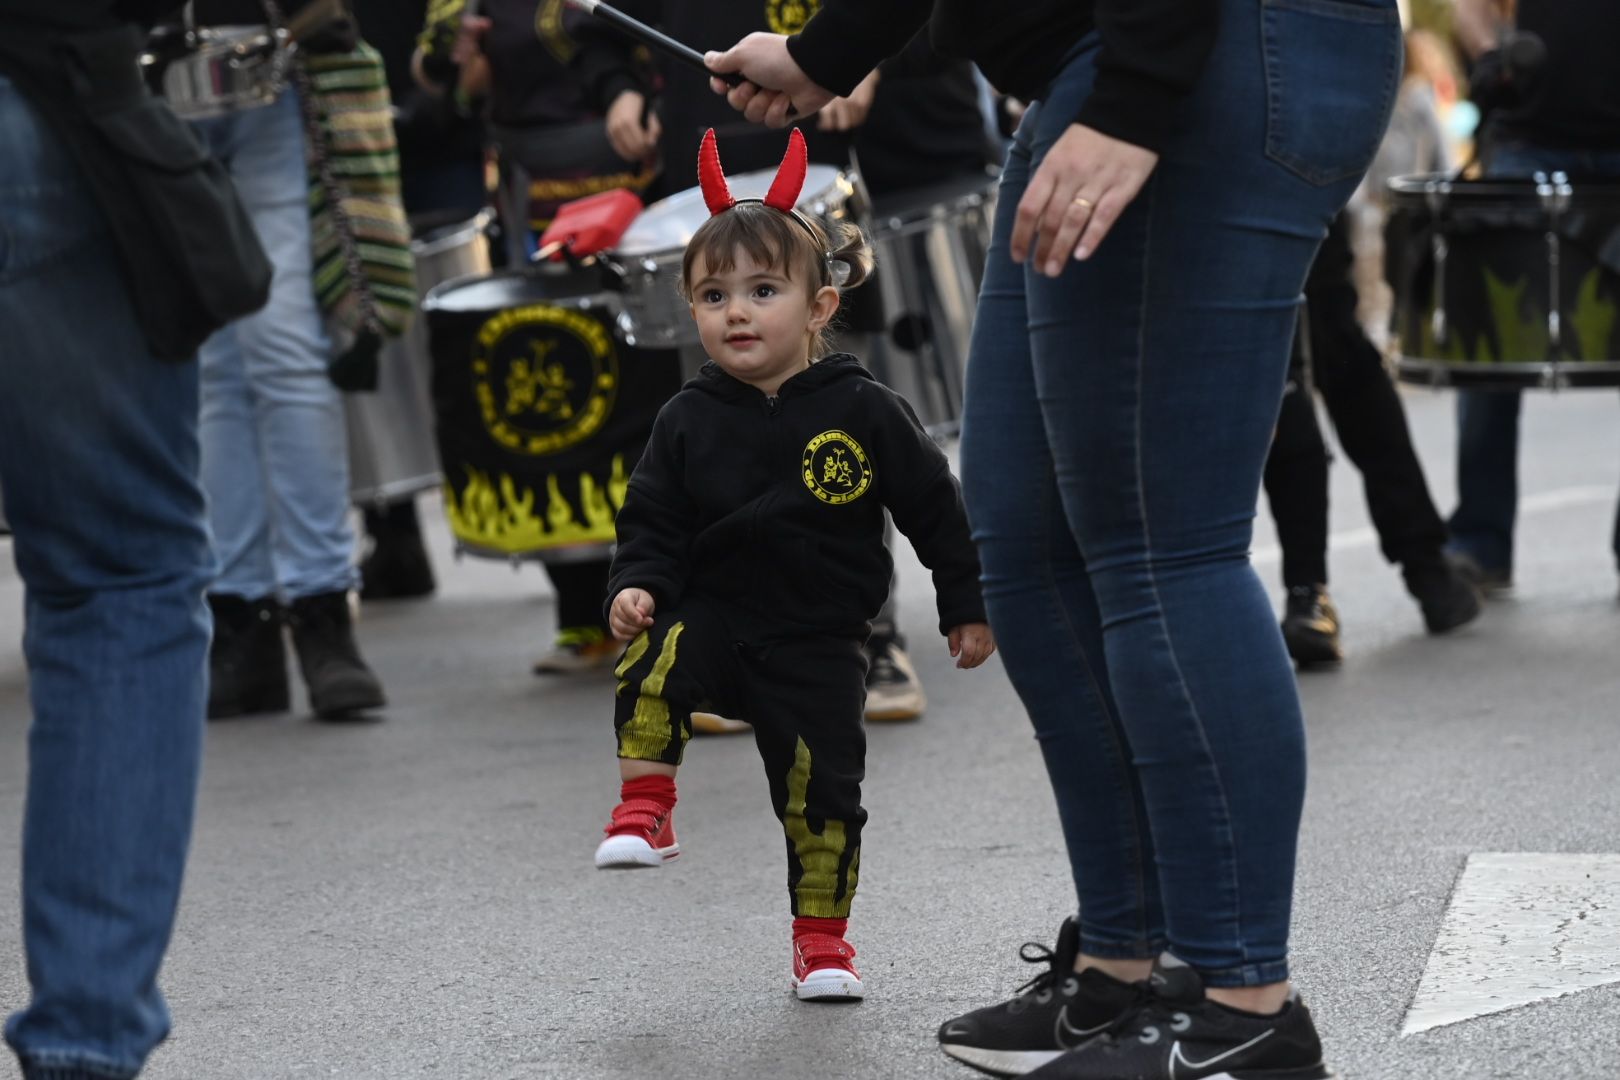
(1521, 928)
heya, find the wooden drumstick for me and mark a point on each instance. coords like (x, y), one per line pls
(656, 39)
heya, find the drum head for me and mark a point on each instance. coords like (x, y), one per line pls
(669, 224)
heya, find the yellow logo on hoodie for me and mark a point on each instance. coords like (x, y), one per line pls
(835, 468)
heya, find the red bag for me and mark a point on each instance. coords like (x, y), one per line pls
(589, 225)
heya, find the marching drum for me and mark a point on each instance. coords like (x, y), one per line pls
(650, 252)
(542, 411)
(931, 245)
(210, 72)
(391, 448)
(1505, 284)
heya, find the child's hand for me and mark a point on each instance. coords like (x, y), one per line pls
(971, 644)
(631, 613)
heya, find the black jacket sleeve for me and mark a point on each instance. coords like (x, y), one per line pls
(925, 500)
(604, 59)
(656, 524)
(1153, 51)
(846, 39)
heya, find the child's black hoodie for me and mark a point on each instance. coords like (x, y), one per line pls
(775, 504)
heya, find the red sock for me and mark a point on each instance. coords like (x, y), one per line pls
(658, 789)
(804, 925)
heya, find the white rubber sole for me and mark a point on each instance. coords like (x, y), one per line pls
(1000, 1062)
(632, 853)
(829, 984)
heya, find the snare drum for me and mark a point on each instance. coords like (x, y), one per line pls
(391, 448)
(651, 250)
(1505, 284)
(220, 70)
(931, 244)
(542, 411)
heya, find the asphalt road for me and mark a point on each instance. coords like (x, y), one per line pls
(415, 898)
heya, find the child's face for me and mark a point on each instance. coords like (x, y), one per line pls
(756, 322)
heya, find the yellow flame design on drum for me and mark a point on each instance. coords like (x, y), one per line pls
(1594, 321)
(494, 514)
(1520, 339)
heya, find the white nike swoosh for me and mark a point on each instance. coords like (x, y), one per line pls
(956, 1029)
(1178, 1058)
(1077, 1035)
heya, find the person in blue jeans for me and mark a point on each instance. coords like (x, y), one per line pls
(1163, 200)
(1566, 120)
(275, 450)
(99, 469)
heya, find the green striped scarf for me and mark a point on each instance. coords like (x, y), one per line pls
(365, 279)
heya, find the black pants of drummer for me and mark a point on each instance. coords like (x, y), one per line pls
(804, 697)
(1371, 424)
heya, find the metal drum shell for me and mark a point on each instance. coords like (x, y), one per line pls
(932, 245)
(392, 453)
(650, 252)
(1475, 267)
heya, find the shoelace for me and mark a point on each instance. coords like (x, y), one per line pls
(815, 947)
(1033, 952)
(638, 814)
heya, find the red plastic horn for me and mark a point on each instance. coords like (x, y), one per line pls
(716, 193)
(784, 193)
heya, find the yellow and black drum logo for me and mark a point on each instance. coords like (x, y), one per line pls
(836, 469)
(545, 377)
(789, 16)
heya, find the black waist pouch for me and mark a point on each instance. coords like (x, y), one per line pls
(190, 254)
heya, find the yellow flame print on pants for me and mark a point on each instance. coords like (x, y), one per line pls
(647, 735)
(819, 854)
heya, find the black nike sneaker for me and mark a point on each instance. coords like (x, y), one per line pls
(1187, 1037)
(1054, 1012)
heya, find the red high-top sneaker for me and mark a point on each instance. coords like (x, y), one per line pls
(641, 833)
(824, 969)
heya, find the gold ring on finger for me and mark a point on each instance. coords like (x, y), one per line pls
(1082, 202)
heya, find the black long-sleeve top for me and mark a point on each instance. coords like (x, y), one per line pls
(1575, 100)
(1152, 51)
(38, 16)
(775, 504)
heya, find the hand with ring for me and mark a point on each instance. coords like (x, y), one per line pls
(1083, 184)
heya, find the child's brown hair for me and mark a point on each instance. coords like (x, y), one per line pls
(793, 243)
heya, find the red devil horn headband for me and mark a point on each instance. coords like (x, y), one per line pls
(715, 191)
(784, 193)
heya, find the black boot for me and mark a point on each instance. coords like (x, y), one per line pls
(1448, 599)
(398, 567)
(247, 663)
(1310, 626)
(339, 682)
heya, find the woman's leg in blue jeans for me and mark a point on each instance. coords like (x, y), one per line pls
(1046, 621)
(99, 458)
